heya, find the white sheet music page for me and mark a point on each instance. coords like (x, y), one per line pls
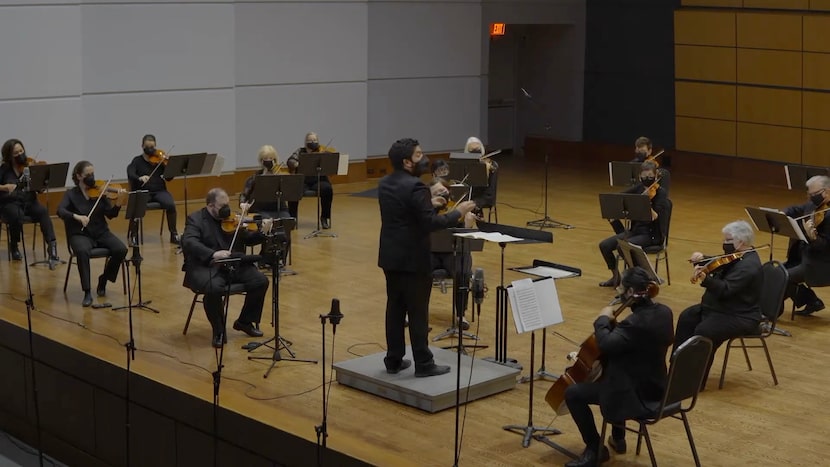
(489, 236)
(535, 305)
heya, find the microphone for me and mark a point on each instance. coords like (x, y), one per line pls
(527, 94)
(335, 315)
(27, 179)
(478, 286)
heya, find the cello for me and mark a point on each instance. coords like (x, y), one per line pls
(587, 366)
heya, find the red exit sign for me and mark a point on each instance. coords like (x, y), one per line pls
(497, 29)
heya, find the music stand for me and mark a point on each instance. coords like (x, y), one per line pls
(634, 255)
(624, 173)
(185, 165)
(318, 164)
(470, 172)
(626, 206)
(797, 175)
(773, 221)
(42, 178)
(136, 209)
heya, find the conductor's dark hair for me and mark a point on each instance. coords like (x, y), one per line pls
(78, 170)
(146, 138)
(636, 278)
(402, 149)
(7, 149)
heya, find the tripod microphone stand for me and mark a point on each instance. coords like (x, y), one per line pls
(136, 208)
(334, 318)
(273, 254)
(545, 222)
(230, 264)
(130, 347)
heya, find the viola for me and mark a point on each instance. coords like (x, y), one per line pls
(110, 190)
(587, 366)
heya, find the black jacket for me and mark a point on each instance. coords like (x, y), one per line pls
(74, 202)
(139, 167)
(203, 236)
(8, 175)
(735, 288)
(660, 204)
(634, 360)
(407, 217)
(815, 255)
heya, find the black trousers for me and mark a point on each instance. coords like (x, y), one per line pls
(407, 293)
(452, 263)
(213, 283)
(800, 293)
(578, 397)
(14, 211)
(81, 246)
(719, 327)
(609, 246)
(165, 199)
(326, 198)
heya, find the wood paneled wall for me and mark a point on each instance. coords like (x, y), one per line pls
(754, 83)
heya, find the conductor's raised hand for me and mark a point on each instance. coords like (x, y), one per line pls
(438, 202)
(465, 206)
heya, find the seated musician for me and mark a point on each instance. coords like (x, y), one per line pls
(643, 151)
(204, 241)
(87, 228)
(312, 144)
(730, 306)
(484, 196)
(269, 162)
(16, 202)
(642, 233)
(143, 175)
(809, 263)
(633, 371)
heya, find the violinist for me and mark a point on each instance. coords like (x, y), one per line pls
(17, 201)
(633, 369)
(642, 233)
(85, 220)
(269, 163)
(484, 196)
(204, 241)
(144, 174)
(644, 151)
(730, 305)
(312, 144)
(808, 263)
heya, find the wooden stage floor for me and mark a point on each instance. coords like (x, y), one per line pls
(749, 422)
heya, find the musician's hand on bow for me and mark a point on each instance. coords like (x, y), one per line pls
(144, 178)
(607, 311)
(696, 257)
(810, 229)
(84, 220)
(245, 206)
(221, 254)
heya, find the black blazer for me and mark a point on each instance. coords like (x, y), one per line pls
(407, 217)
(203, 236)
(74, 202)
(735, 288)
(815, 255)
(634, 360)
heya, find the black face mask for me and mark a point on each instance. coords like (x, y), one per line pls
(89, 180)
(728, 248)
(313, 146)
(21, 158)
(268, 164)
(817, 199)
(224, 212)
(149, 151)
(641, 155)
(647, 181)
(421, 167)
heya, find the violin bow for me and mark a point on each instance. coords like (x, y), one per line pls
(811, 214)
(239, 224)
(157, 165)
(100, 196)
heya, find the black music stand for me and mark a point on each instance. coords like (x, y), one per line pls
(468, 171)
(634, 255)
(185, 165)
(280, 188)
(773, 221)
(797, 175)
(318, 164)
(624, 173)
(526, 236)
(42, 178)
(626, 206)
(136, 209)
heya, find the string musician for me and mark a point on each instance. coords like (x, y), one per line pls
(269, 164)
(85, 209)
(809, 263)
(633, 377)
(16, 201)
(145, 173)
(312, 144)
(211, 234)
(484, 197)
(730, 306)
(644, 151)
(642, 233)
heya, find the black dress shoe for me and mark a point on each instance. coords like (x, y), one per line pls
(248, 328)
(325, 222)
(101, 290)
(589, 458)
(403, 366)
(431, 370)
(87, 299)
(175, 239)
(811, 308)
(618, 445)
(16, 253)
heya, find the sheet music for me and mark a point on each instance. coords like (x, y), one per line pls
(489, 236)
(218, 164)
(787, 173)
(535, 305)
(544, 271)
(610, 174)
(343, 164)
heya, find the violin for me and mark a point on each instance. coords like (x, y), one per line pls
(654, 158)
(230, 224)
(30, 162)
(651, 190)
(158, 157)
(109, 190)
(715, 263)
(587, 366)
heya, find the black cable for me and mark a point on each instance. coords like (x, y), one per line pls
(349, 350)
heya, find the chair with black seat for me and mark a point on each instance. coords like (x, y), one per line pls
(772, 302)
(236, 289)
(151, 206)
(24, 221)
(95, 253)
(662, 251)
(688, 366)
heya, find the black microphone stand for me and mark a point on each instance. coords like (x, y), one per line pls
(136, 208)
(322, 428)
(230, 264)
(130, 346)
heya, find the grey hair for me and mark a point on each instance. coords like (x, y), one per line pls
(213, 194)
(741, 231)
(824, 180)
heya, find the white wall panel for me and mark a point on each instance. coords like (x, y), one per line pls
(303, 42)
(440, 112)
(193, 121)
(40, 52)
(409, 40)
(155, 47)
(282, 115)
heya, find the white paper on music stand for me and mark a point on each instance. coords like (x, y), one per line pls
(218, 164)
(610, 175)
(787, 173)
(343, 164)
(793, 223)
(546, 271)
(489, 236)
(535, 305)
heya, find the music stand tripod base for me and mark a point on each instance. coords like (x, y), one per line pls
(540, 374)
(320, 233)
(548, 223)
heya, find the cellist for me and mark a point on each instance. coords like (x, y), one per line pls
(633, 371)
